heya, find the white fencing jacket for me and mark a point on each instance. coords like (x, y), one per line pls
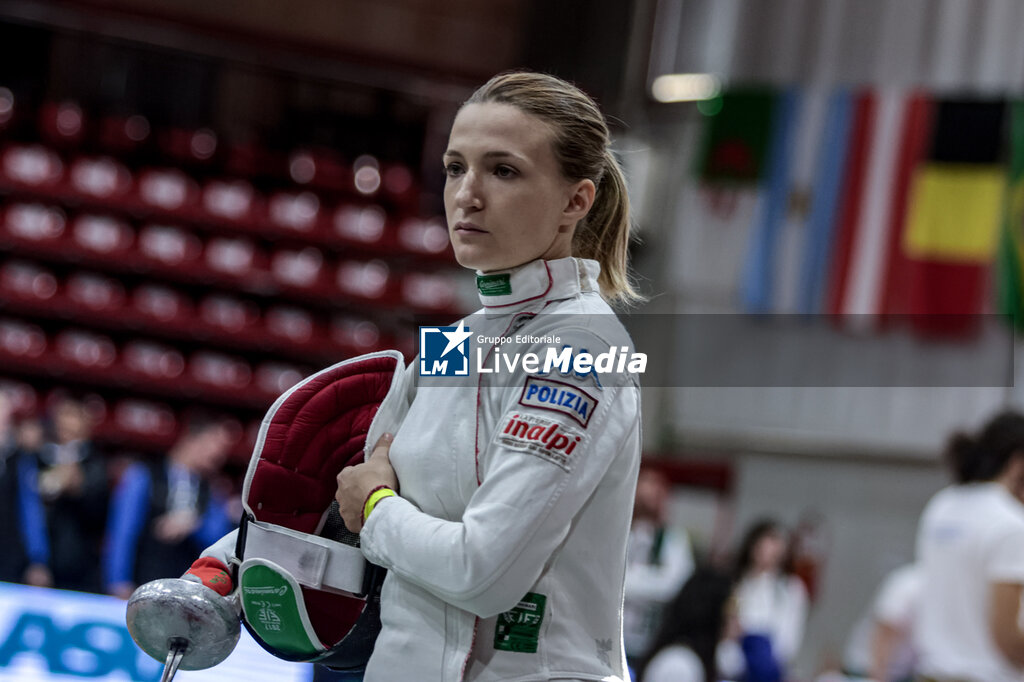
(506, 547)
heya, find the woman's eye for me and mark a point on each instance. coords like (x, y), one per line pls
(504, 171)
(452, 169)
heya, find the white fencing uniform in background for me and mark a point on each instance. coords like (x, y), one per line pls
(970, 537)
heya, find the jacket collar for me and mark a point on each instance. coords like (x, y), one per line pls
(531, 286)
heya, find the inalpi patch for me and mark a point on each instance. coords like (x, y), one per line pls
(542, 437)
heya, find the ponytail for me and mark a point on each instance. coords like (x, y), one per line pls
(985, 455)
(604, 234)
(961, 456)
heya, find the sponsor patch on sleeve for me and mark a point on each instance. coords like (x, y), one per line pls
(558, 396)
(544, 438)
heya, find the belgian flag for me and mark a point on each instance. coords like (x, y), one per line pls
(953, 219)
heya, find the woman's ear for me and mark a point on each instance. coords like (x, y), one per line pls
(580, 199)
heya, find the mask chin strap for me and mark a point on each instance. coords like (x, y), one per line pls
(316, 562)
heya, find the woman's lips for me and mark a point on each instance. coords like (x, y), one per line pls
(469, 228)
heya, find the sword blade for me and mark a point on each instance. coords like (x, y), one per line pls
(174, 657)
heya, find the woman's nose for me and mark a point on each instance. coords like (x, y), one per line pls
(468, 193)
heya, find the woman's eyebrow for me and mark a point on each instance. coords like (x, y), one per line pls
(497, 154)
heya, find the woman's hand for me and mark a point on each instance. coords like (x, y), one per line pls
(356, 482)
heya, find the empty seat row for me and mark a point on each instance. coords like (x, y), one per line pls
(144, 364)
(238, 262)
(232, 203)
(93, 299)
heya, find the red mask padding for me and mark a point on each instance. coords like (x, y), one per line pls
(318, 430)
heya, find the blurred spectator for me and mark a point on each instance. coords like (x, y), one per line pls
(658, 561)
(970, 547)
(26, 551)
(810, 550)
(164, 513)
(881, 644)
(73, 487)
(771, 608)
(701, 615)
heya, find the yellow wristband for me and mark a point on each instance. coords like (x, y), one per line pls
(375, 497)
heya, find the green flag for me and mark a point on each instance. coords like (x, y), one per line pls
(1010, 260)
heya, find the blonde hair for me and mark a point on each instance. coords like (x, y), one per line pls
(582, 148)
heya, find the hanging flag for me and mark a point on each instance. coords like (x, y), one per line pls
(803, 186)
(873, 170)
(736, 137)
(821, 224)
(953, 217)
(756, 288)
(1010, 257)
(916, 136)
(717, 202)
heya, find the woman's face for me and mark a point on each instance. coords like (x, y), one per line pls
(505, 198)
(769, 551)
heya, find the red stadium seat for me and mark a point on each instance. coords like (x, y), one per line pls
(85, 349)
(62, 122)
(27, 281)
(100, 177)
(230, 199)
(251, 160)
(31, 165)
(228, 313)
(188, 145)
(123, 134)
(429, 290)
(102, 234)
(21, 339)
(234, 256)
(364, 224)
(144, 418)
(400, 185)
(294, 325)
(95, 292)
(423, 236)
(363, 279)
(163, 305)
(356, 333)
(219, 371)
(302, 268)
(366, 175)
(7, 107)
(298, 212)
(153, 360)
(24, 399)
(169, 246)
(168, 189)
(319, 168)
(36, 223)
(274, 378)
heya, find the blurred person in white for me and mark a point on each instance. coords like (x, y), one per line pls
(772, 607)
(970, 547)
(659, 559)
(73, 487)
(881, 644)
(700, 616)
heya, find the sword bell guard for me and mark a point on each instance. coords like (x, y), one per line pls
(164, 611)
